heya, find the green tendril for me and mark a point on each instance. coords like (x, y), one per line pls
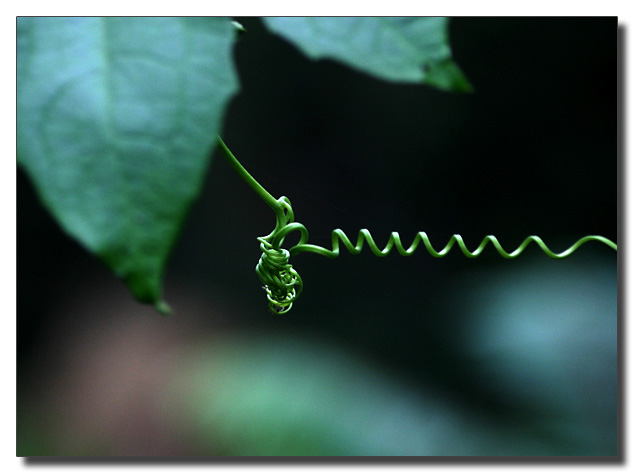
(394, 241)
(283, 284)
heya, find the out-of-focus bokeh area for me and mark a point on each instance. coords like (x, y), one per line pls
(379, 356)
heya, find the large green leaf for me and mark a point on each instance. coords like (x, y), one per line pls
(115, 121)
(412, 49)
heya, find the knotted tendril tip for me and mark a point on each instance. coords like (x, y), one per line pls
(281, 282)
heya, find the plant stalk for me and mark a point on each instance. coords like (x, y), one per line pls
(248, 178)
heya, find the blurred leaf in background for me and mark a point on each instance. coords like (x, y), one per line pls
(115, 122)
(409, 49)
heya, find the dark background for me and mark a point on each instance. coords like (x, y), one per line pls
(529, 152)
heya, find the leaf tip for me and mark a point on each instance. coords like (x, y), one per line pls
(162, 307)
(446, 75)
(238, 27)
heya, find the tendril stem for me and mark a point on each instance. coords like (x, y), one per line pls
(249, 179)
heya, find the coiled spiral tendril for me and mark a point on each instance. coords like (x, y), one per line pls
(394, 241)
(283, 284)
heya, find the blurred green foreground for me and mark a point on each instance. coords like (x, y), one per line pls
(541, 339)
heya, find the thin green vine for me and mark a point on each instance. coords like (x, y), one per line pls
(283, 284)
